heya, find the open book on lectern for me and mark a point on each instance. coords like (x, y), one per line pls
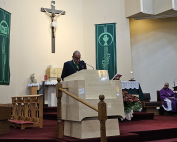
(117, 75)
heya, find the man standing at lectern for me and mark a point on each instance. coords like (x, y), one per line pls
(73, 66)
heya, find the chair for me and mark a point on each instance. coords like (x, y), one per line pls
(162, 111)
(150, 106)
(158, 97)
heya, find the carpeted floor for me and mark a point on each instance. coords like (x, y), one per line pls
(47, 133)
(159, 122)
(161, 128)
(164, 140)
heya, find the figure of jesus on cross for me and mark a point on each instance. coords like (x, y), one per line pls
(53, 14)
(54, 20)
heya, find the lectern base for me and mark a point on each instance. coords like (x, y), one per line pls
(90, 128)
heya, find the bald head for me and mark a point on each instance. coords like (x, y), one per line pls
(166, 85)
(76, 52)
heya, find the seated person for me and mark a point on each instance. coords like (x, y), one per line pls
(73, 66)
(168, 98)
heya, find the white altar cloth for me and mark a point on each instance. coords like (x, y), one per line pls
(50, 94)
(33, 84)
(130, 84)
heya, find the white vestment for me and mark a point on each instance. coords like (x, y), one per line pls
(169, 108)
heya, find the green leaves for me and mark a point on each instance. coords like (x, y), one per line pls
(130, 102)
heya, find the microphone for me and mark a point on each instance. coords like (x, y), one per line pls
(88, 64)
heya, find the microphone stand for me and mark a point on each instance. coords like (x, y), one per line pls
(90, 66)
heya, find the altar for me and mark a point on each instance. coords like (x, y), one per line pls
(133, 87)
(50, 94)
(52, 73)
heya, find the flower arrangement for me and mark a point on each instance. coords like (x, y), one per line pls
(130, 102)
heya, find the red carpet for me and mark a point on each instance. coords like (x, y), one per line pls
(162, 127)
(164, 140)
(159, 122)
(50, 113)
(47, 133)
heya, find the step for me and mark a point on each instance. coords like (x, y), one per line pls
(154, 135)
(142, 116)
(164, 140)
(50, 115)
(50, 109)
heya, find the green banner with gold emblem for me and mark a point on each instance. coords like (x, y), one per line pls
(106, 48)
(4, 47)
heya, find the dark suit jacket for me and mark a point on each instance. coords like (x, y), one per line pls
(70, 68)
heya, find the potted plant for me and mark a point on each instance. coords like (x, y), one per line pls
(131, 103)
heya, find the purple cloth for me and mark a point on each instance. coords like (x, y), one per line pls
(166, 93)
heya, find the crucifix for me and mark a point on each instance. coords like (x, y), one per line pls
(53, 14)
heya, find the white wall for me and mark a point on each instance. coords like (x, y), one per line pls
(147, 6)
(162, 6)
(107, 11)
(30, 40)
(154, 52)
(132, 7)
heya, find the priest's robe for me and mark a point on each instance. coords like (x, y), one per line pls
(164, 95)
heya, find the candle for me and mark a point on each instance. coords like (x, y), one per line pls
(131, 75)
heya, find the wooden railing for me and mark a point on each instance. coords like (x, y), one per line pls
(27, 111)
(102, 112)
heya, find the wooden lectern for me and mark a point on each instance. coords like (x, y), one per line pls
(81, 121)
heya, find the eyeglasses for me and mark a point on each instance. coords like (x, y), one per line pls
(165, 85)
(77, 58)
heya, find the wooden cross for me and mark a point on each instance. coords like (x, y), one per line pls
(53, 15)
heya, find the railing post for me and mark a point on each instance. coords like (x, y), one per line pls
(102, 117)
(59, 113)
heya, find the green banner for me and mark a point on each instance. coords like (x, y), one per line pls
(4, 47)
(106, 48)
